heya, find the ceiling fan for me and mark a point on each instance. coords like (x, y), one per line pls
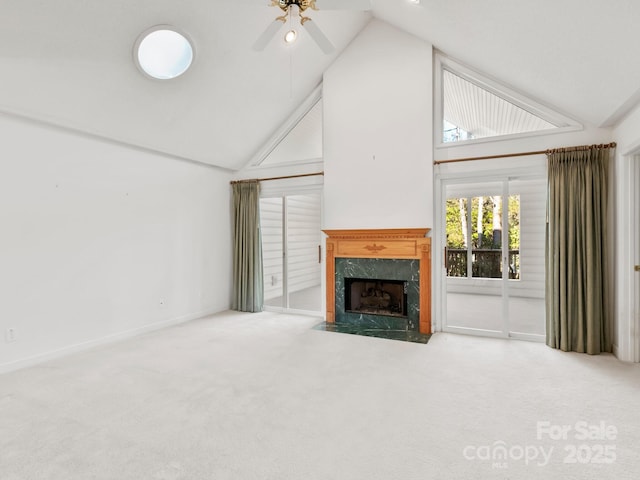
(291, 7)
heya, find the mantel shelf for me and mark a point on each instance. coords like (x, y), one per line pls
(399, 233)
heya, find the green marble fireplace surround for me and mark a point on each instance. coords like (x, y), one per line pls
(388, 273)
(379, 269)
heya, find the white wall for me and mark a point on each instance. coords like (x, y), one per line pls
(627, 133)
(627, 136)
(378, 132)
(100, 241)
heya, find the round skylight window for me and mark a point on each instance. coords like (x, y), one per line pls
(163, 53)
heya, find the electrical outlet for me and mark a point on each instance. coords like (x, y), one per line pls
(162, 303)
(10, 335)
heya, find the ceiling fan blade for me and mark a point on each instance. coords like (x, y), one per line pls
(268, 34)
(320, 38)
(343, 4)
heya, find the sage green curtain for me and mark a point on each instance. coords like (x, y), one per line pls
(577, 297)
(248, 288)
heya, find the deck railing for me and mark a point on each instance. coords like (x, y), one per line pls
(486, 263)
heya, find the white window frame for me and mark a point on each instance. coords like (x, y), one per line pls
(468, 198)
(281, 133)
(472, 173)
(443, 62)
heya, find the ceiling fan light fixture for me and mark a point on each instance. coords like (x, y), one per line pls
(294, 8)
(290, 36)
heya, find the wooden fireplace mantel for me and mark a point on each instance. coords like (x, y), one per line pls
(403, 243)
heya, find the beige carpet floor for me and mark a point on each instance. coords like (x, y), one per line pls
(264, 396)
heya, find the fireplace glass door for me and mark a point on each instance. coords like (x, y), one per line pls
(494, 257)
(291, 236)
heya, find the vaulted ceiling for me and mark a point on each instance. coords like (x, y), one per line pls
(69, 63)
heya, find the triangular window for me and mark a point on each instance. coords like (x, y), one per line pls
(303, 142)
(299, 139)
(473, 107)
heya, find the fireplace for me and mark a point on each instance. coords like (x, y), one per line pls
(379, 279)
(376, 297)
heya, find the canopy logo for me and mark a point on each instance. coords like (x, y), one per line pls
(580, 443)
(500, 454)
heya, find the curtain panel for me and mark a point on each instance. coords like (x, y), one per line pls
(248, 293)
(577, 297)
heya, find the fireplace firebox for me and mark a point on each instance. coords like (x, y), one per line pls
(376, 297)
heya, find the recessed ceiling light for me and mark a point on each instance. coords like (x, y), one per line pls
(415, 2)
(163, 53)
(290, 36)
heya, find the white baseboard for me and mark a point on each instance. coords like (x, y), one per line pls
(115, 337)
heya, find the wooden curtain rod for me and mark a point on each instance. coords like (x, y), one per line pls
(582, 148)
(276, 178)
(524, 154)
(490, 157)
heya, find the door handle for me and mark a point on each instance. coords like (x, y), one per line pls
(637, 268)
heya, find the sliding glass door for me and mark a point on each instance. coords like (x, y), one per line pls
(526, 291)
(291, 239)
(494, 257)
